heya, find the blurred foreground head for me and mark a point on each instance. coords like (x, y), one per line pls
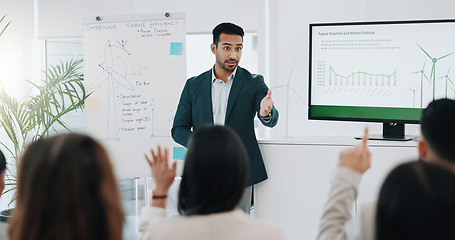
(215, 172)
(66, 190)
(438, 128)
(416, 202)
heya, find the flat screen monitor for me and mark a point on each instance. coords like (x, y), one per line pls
(380, 71)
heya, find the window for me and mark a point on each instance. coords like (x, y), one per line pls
(62, 50)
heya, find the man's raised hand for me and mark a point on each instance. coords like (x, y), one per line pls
(266, 104)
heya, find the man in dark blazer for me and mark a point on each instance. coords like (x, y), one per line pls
(227, 95)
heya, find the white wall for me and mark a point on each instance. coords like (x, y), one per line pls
(201, 15)
(296, 191)
(16, 45)
(289, 30)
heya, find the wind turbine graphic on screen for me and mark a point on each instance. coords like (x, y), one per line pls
(447, 80)
(422, 75)
(453, 92)
(110, 77)
(433, 68)
(413, 96)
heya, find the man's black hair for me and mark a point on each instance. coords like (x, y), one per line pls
(215, 172)
(226, 28)
(416, 202)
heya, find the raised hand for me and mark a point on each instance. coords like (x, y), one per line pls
(266, 104)
(358, 157)
(163, 173)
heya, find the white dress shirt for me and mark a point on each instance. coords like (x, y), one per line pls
(220, 96)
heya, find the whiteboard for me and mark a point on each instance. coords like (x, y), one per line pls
(135, 67)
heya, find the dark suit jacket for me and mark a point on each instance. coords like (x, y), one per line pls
(195, 110)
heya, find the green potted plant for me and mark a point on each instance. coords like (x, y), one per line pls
(4, 28)
(37, 115)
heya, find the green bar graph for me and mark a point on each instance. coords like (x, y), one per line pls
(379, 78)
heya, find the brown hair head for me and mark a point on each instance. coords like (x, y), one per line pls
(66, 190)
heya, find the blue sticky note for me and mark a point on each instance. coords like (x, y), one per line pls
(176, 48)
(178, 153)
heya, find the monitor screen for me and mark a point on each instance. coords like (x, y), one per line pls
(380, 71)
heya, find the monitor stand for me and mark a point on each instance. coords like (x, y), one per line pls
(391, 132)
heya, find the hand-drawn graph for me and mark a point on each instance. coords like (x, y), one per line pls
(164, 127)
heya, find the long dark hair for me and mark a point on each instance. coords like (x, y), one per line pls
(437, 125)
(215, 172)
(66, 190)
(417, 201)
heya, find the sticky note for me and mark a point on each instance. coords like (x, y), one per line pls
(93, 104)
(176, 48)
(178, 153)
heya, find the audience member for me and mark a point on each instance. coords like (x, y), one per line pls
(3, 225)
(213, 182)
(416, 202)
(435, 146)
(66, 190)
(2, 172)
